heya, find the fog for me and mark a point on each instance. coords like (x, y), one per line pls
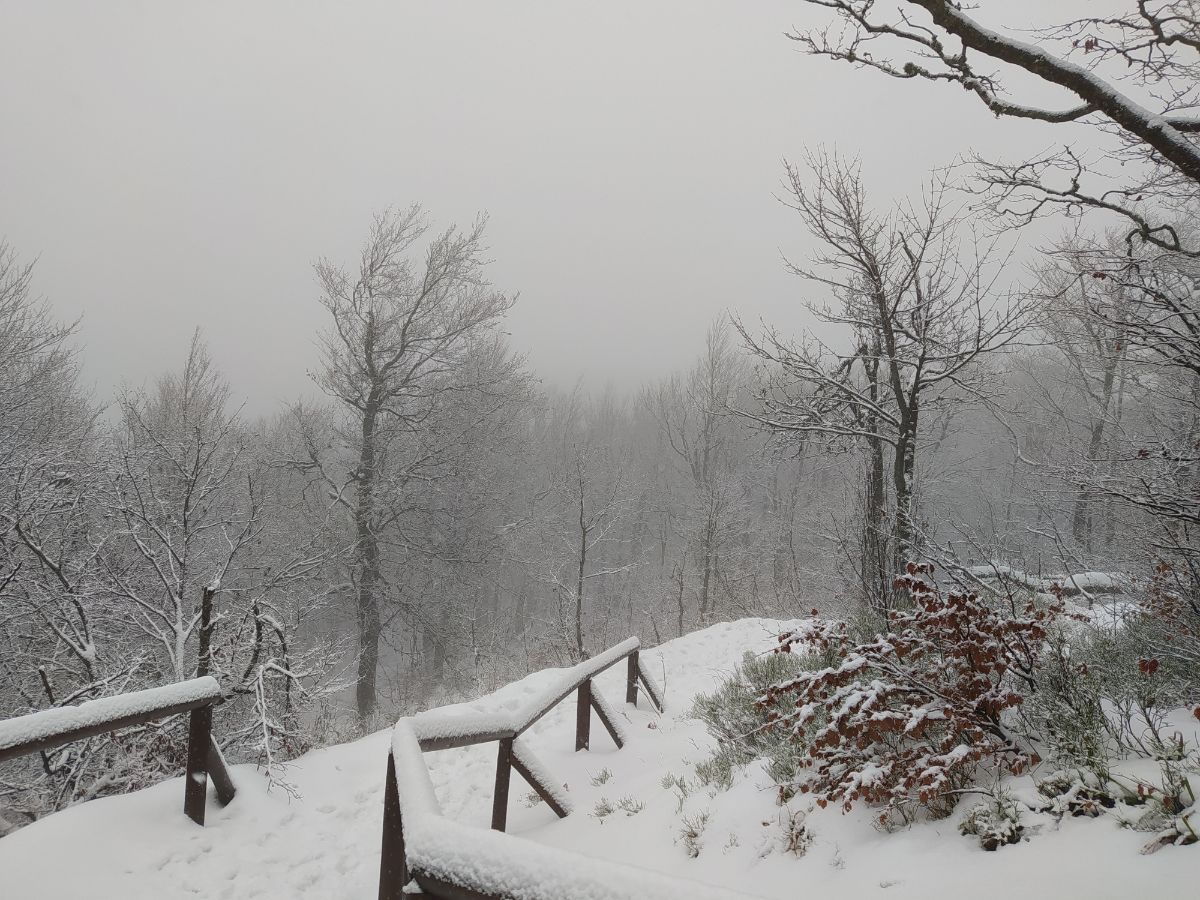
(176, 167)
(409, 366)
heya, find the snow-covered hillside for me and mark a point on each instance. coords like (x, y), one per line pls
(324, 842)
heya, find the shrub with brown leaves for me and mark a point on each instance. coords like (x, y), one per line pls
(905, 720)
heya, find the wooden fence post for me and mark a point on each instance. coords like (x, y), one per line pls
(195, 782)
(503, 777)
(583, 716)
(393, 867)
(631, 679)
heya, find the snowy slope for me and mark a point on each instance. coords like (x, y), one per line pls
(325, 842)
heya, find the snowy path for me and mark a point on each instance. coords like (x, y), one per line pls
(325, 843)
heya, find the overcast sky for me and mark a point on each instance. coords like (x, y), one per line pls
(176, 165)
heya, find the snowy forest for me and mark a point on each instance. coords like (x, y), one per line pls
(983, 444)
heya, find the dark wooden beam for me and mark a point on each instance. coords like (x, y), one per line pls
(542, 790)
(219, 773)
(67, 735)
(393, 866)
(503, 778)
(583, 716)
(195, 780)
(609, 725)
(631, 678)
(650, 691)
(446, 890)
(450, 742)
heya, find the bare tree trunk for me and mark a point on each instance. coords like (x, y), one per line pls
(580, 652)
(903, 469)
(367, 606)
(437, 643)
(875, 560)
(204, 645)
(679, 604)
(706, 573)
(1081, 519)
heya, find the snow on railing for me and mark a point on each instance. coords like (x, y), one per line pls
(442, 729)
(49, 728)
(451, 860)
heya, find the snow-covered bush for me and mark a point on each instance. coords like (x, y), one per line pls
(795, 835)
(1106, 690)
(1166, 630)
(904, 720)
(735, 718)
(996, 821)
(1172, 801)
(1066, 712)
(1078, 792)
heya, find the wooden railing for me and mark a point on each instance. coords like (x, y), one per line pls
(54, 727)
(449, 860)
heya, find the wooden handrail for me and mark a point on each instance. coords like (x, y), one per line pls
(434, 731)
(49, 728)
(451, 861)
(441, 732)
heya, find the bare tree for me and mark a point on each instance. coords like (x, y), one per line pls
(577, 535)
(916, 319)
(1153, 45)
(1133, 77)
(55, 644)
(175, 498)
(401, 328)
(1087, 323)
(707, 445)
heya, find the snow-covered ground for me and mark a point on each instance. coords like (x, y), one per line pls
(324, 842)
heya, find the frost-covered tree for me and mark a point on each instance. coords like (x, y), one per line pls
(56, 645)
(1126, 82)
(1130, 75)
(202, 561)
(708, 451)
(577, 539)
(403, 324)
(917, 310)
(181, 503)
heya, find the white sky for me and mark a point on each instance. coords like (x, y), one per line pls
(179, 165)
